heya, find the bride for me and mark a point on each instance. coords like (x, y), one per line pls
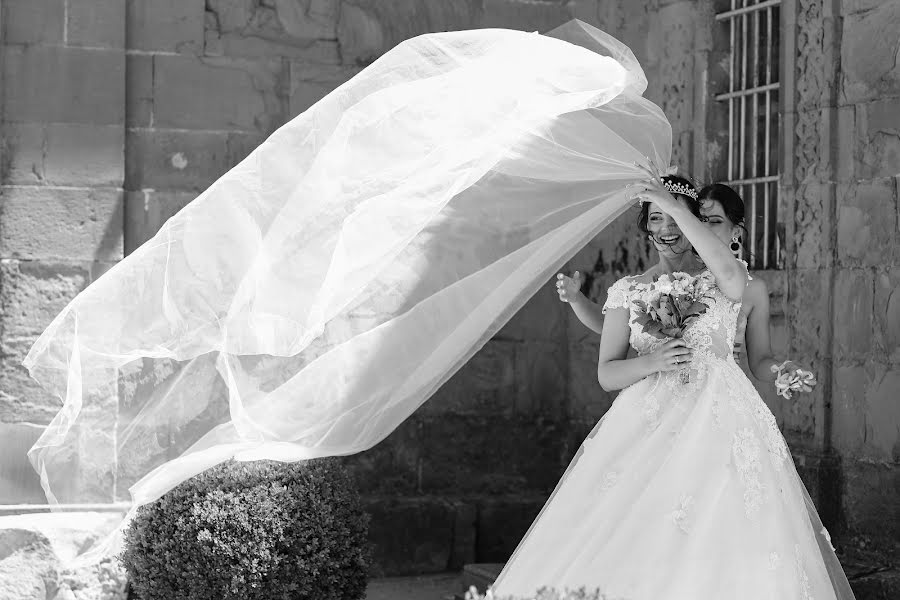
(685, 489)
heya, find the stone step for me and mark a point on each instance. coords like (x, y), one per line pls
(479, 575)
(878, 585)
(441, 586)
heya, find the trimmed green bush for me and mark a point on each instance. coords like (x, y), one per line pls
(252, 531)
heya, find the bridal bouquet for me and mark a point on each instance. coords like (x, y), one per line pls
(670, 304)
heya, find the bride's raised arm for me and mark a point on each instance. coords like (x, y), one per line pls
(731, 275)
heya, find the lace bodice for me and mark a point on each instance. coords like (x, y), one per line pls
(710, 335)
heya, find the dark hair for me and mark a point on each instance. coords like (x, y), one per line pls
(693, 205)
(729, 199)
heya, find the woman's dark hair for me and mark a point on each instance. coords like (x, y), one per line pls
(693, 205)
(730, 200)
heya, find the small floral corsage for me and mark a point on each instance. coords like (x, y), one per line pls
(787, 382)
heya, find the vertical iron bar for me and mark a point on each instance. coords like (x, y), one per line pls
(732, 25)
(768, 166)
(754, 134)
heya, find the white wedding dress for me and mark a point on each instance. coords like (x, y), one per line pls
(683, 491)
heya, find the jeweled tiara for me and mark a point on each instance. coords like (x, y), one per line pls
(680, 188)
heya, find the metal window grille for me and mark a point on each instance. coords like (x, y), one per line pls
(754, 127)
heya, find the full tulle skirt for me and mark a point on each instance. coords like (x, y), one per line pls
(681, 491)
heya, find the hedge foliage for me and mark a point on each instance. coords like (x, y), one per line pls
(252, 531)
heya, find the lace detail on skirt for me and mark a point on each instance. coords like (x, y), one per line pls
(745, 449)
(680, 516)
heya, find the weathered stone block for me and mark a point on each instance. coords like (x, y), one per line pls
(29, 569)
(32, 293)
(877, 140)
(95, 23)
(21, 398)
(84, 155)
(846, 151)
(70, 154)
(867, 229)
(66, 85)
(36, 549)
(541, 373)
(869, 44)
(543, 318)
(882, 412)
(368, 28)
(139, 86)
(238, 94)
(411, 535)
(492, 454)
(887, 315)
(848, 7)
(485, 385)
(853, 300)
(33, 21)
(870, 505)
(147, 210)
(586, 398)
(24, 145)
(311, 83)
(166, 25)
(808, 312)
(164, 159)
(19, 483)
(321, 52)
(849, 409)
(87, 223)
(524, 15)
(290, 29)
(503, 522)
(881, 585)
(392, 466)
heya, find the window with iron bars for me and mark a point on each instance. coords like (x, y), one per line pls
(752, 104)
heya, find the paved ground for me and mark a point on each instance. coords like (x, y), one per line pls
(423, 587)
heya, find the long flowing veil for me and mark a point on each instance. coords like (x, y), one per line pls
(321, 290)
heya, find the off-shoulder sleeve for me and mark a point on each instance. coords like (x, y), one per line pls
(617, 296)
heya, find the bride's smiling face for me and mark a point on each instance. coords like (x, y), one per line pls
(667, 236)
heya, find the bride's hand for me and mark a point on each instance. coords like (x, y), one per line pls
(652, 192)
(672, 355)
(569, 288)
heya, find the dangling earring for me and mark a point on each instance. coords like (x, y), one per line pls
(736, 247)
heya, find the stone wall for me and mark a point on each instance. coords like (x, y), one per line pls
(116, 114)
(862, 245)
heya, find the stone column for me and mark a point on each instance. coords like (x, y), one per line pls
(809, 93)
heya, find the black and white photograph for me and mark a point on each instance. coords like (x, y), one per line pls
(449, 300)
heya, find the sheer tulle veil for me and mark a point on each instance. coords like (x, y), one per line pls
(321, 290)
